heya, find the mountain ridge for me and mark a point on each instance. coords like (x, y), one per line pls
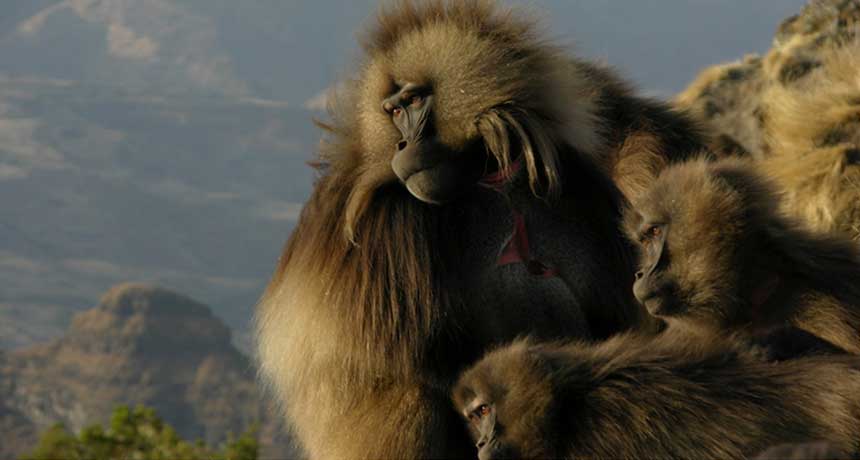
(140, 344)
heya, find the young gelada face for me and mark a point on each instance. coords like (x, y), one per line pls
(686, 226)
(504, 400)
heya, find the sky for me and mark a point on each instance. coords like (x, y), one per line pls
(291, 50)
(658, 44)
(149, 136)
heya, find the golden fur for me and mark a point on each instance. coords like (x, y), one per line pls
(736, 262)
(726, 98)
(660, 398)
(371, 311)
(461, 48)
(362, 242)
(821, 187)
(822, 111)
(813, 131)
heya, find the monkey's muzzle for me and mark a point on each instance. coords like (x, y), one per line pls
(432, 172)
(656, 297)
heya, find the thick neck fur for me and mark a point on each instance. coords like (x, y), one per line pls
(388, 293)
(617, 383)
(389, 276)
(622, 113)
(376, 262)
(810, 263)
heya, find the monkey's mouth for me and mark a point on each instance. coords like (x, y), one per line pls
(436, 174)
(435, 185)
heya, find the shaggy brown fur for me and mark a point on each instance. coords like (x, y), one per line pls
(727, 99)
(823, 111)
(642, 136)
(380, 299)
(813, 130)
(801, 82)
(807, 451)
(669, 397)
(731, 261)
(822, 187)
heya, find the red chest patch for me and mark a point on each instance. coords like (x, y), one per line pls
(516, 250)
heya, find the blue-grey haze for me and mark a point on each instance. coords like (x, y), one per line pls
(165, 140)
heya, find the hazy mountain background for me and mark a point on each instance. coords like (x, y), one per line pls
(164, 140)
(139, 345)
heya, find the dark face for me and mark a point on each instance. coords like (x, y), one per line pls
(486, 430)
(430, 170)
(508, 401)
(654, 287)
(689, 228)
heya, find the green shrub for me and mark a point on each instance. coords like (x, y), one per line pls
(137, 434)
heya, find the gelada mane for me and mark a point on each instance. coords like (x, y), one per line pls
(375, 263)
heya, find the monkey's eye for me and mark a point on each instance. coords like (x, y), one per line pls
(396, 111)
(650, 234)
(482, 411)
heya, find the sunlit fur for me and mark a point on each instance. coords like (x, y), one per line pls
(823, 110)
(796, 97)
(474, 55)
(364, 323)
(813, 131)
(665, 397)
(794, 59)
(740, 264)
(328, 362)
(821, 187)
(726, 97)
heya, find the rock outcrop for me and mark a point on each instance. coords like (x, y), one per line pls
(140, 345)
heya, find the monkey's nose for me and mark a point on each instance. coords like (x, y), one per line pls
(639, 274)
(402, 145)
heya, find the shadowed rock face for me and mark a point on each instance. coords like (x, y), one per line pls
(140, 344)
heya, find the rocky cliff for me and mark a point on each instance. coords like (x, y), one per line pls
(139, 345)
